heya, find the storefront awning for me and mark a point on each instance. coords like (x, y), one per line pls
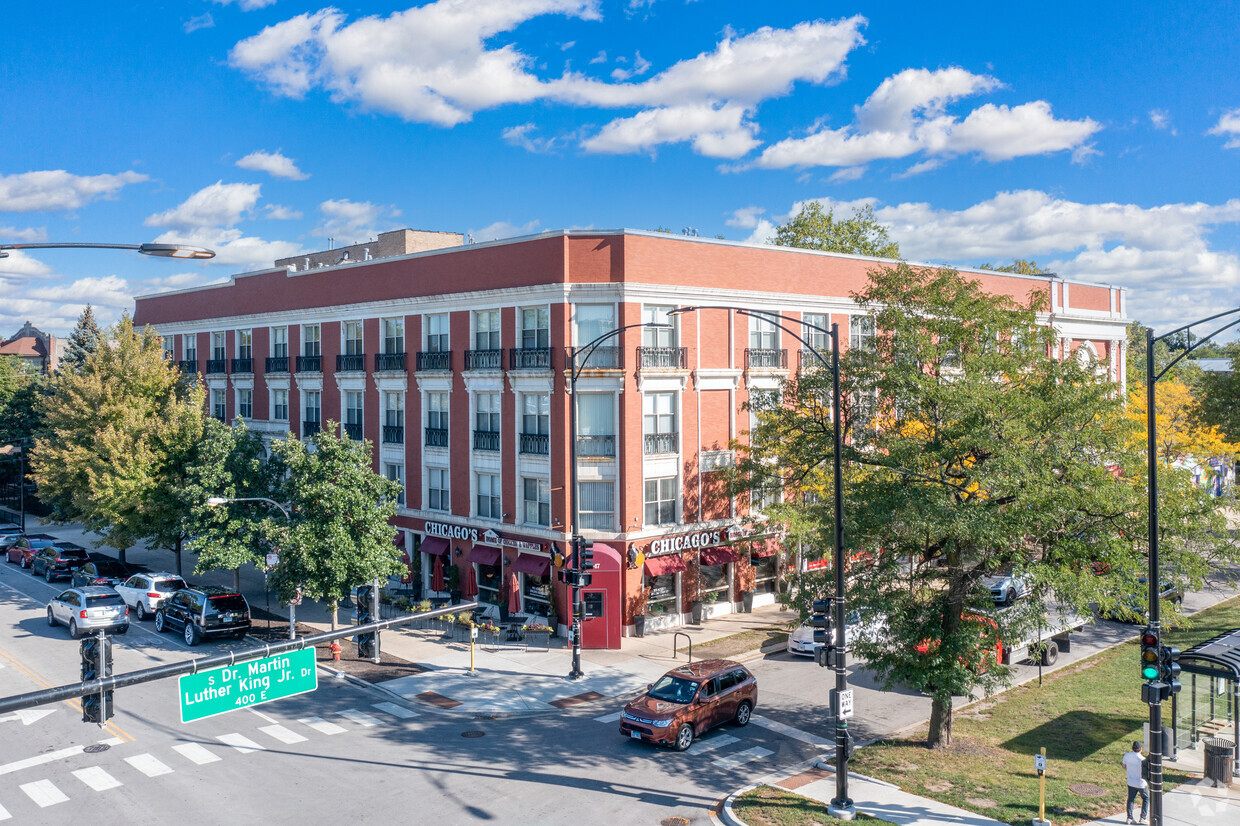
(768, 548)
(719, 556)
(664, 565)
(483, 556)
(434, 545)
(533, 565)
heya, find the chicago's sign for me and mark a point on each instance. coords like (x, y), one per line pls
(672, 544)
(451, 531)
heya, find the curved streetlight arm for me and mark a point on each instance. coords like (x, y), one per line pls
(216, 501)
(593, 344)
(1200, 341)
(158, 250)
(767, 314)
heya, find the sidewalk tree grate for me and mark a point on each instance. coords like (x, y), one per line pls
(1087, 790)
(96, 748)
(674, 821)
(473, 734)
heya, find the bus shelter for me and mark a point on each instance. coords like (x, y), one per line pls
(1208, 704)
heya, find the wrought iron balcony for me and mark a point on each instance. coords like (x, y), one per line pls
(596, 446)
(309, 364)
(668, 358)
(215, 366)
(243, 365)
(188, 365)
(438, 360)
(809, 361)
(654, 443)
(529, 358)
(393, 434)
(600, 358)
(353, 430)
(389, 361)
(352, 363)
(536, 443)
(435, 436)
(277, 364)
(486, 440)
(764, 357)
(310, 428)
(484, 359)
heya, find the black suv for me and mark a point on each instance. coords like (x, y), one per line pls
(204, 611)
(56, 561)
(101, 571)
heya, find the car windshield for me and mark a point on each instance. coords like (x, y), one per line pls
(674, 689)
(71, 553)
(110, 568)
(225, 602)
(103, 600)
(165, 586)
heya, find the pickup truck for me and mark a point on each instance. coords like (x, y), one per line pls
(1045, 643)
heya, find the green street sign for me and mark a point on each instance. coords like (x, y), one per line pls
(208, 693)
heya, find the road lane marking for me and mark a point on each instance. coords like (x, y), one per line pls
(240, 742)
(262, 716)
(195, 753)
(75, 704)
(609, 718)
(44, 792)
(112, 741)
(359, 717)
(740, 758)
(322, 726)
(97, 778)
(4, 813)
(397, 711)
(715, 742)
(282, 734)
(788, 731)
(50, 757)
(148, 764)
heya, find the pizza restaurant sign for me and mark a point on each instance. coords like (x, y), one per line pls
(690, 541)
(488, 537)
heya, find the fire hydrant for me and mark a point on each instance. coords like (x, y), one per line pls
(335, 649)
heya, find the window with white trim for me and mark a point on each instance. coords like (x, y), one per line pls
(535, 327)
(217, 347)
(245, 344)
(661, 497)
(861, 332)
(597, 506)
(279, 342)
(352, 331)
(486, 330)
(394, 334)
(437, 410)
(396, 473)
(311, 343)
(245, 403)
(437, 339)
(488, 500)
(279, 405)
(437, 494)
(536, 501)
(487, 412)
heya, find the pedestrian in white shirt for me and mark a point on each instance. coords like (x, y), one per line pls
(1133, 762)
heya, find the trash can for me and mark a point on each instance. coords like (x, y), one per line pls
(1220, 760)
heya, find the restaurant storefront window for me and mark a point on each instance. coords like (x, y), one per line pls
(487, 562)
(535, 574)
(660, 582)
(766, 571)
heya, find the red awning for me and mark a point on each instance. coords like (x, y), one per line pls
(664, 565)
(719, 556)
(434, 545)
(483, 555)
(530, 564)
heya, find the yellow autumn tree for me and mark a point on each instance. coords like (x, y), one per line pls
(1179, 434)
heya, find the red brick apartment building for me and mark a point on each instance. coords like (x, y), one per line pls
(452, 361)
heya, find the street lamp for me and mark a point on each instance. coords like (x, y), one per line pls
(841, 806)
(574, 371)
(1152, 691)
(216, 501)
(9, 450)
(157, 250)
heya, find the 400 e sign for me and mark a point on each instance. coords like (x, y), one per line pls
(208, 693)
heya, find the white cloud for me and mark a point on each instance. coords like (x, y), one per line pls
(716, 132)
(55, 189)
(202, 21)
(918, 92)
(218, 205)
(503, 229)
(848, 173)
(640, 66)
(233, 248)
(999, 133)
(745, 217)
(274, 164)
(246, 5)
(19, 264)
(279, 212)
(30, 234)
(1228, 126)
(350, 222)
(1161, 119)
(919, 168)
(108, 291)
(601, 57)
(523, 136)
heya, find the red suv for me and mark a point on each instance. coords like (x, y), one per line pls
(689, 700)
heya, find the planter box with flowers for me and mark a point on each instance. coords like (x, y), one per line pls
(488, 634)
(537, 635)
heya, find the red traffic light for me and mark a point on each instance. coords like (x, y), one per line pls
(1149, 638)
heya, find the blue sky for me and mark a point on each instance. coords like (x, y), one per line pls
(1100, 139)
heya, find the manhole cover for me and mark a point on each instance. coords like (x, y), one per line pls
(1087, 790)
(674, 821)
(95, 749)
(473, 734)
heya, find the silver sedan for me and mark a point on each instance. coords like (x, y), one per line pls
(89, 609)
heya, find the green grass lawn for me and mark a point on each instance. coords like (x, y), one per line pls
(734, 644)
(1086, 715)
(769, 806)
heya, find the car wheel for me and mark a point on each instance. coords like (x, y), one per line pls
(743, 712)
(140, 610)
(122, 630)
(684, 737)
(240, 635)
(1051, 653)
(1176, 603)
(1009, 597)
(25, 562)
(47, 574)
(161, 624)
(8, 559)
(51, 619)
(191, 635)
(73, 629)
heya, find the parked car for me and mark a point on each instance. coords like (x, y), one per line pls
(55, 561)
(1134, 607)
(689, 700)
(23, 550)
(204, 611)
(144, 593)
(859, 625)
(88, 609)
(1005, 589)
(101, 571)
(8, 535)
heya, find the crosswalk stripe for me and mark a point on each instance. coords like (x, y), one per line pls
(731, 761)
(282, 734)
(148, 765)
(788, 731)
(718, 741)
(240, 742)
(4, 813)
(360, 717)
(322, 726)
(396, 711)
(196, 753)
(96, 778)
(44, 792)
(609, 718)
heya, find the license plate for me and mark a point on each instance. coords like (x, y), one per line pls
(636, 735)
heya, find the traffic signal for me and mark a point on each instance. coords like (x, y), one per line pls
(821, 621)
(558, 558)
(365, 642)
(585, 555)
(1169, 668)
(96, 664)
(1149, 656)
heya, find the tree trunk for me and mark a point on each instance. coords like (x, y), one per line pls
(177, 550)
(237, 579)
(334, 607)
(940, 722)
(120, 554)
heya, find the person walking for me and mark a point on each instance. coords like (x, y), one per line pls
(1134, 762)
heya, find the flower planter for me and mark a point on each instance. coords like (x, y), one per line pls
(747, 601)
(538, 639)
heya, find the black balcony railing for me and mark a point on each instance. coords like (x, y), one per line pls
(600, 358)
(764, 357)
(653, 443)
(435, 436)
(484, 359)
(240, 365)
(486, 440)
(310, 428)
(352, 363)
(309, 364)
(529, 358)
(428, 360)
(389, 361)
(809, 361)
(217, 366)
(353, 430)
(536, 443)
(595, 446)
(393, 434)
(188, 365)
(672, 358)
(277, 364)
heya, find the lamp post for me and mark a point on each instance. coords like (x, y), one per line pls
(841, 806)
(1152, 691)
(9, 450)
(216, 501)
(574, 371)
(157, 250)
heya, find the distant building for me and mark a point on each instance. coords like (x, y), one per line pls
(40, 350)
(387, 245)
(1222, 366)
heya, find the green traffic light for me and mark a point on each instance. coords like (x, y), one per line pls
(1149, 672)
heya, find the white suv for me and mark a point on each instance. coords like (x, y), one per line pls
(144, 593)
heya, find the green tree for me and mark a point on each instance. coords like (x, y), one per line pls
(1020, 266)
(339, 535)
(814, 229)
(83, 341)
(117, 438)
(1218, 398)
(970, 453)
